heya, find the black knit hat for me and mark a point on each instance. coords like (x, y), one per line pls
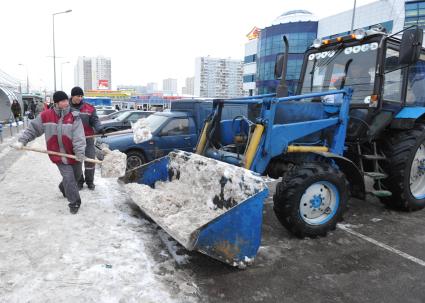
(77, 91)
(59, 96)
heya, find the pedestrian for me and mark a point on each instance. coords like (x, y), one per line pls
(33, 110)
(117, 107)
(64, 132)
(91, 125)
(16, 110)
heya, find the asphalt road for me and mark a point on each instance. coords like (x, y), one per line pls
(377, 255)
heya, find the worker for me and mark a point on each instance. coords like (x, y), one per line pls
(91, 125)
(64, 133)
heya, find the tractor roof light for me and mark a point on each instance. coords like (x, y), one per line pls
(359, 34)
(317, 43)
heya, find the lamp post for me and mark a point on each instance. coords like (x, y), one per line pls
(28, 85)
(62, 73)
(54, 51)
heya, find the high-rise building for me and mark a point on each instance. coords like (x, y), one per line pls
(169, 86)
(218, 78)
(189, 88)
(92, 73)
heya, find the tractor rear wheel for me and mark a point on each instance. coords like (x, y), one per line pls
(406, 169)
(311, 199)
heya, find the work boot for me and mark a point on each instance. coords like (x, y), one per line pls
(62, 189)
(74, 207)
(91, 186)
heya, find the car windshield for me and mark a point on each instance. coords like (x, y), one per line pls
(155, 121)
(340, 67)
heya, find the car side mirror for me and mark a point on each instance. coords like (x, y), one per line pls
(410, 46)
(278, 65)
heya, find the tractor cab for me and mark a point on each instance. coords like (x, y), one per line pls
(382, 74)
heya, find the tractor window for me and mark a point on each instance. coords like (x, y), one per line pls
(393, 83)
(416, 83)
(339, 67)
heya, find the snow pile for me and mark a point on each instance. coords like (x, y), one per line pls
(103, 254)
(114, 164)
(141, 131)
(200, 190)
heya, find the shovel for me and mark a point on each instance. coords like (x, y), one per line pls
(113, 165)
(120, 132)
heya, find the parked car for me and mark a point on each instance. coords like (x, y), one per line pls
(113, 115)
(105, 112)
(175, 129)
(124, 120)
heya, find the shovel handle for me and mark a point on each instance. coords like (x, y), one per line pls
(120, 132)
(39, 150)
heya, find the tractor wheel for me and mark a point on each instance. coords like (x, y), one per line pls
(135, 159)
(311, 199)
(406, 169)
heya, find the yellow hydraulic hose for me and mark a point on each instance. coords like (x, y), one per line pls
(253, 144)
(306, 149)
(201, 144)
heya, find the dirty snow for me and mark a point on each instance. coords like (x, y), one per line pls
(114, 164)
(195, 195)
(141, 131)
(102, 254)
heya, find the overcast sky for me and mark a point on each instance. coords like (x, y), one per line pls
(147, 40)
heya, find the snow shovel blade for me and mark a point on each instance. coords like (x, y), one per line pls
(206, 205)
(114, 164)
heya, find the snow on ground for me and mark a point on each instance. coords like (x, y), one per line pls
(105, 253)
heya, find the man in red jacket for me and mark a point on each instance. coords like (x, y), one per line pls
(63, 131)
(91, 125)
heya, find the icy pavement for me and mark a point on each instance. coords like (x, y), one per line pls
(103, 254)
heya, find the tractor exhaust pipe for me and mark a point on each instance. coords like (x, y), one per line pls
(280, 70)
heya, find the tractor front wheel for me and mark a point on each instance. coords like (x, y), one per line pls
(311, 199)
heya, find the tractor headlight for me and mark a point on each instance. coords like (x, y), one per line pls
(317, 43)
(359, 34)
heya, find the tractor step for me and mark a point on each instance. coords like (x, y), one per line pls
(373, 157)
(381, 193)
(375, 175)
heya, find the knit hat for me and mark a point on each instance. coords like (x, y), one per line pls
(77, 91)
(59, 96)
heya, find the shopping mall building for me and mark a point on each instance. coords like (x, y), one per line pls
(302, 27)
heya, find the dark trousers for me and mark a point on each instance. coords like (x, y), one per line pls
(70, 175)
(89, 168)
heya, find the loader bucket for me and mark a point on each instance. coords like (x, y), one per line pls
(204, 204)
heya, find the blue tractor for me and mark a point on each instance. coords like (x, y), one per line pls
(359, 111)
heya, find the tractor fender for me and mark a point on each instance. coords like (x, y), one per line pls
(407, 117)
(351, 171)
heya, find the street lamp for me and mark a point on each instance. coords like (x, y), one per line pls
(28, 85)
(62, 73)
(54, 51)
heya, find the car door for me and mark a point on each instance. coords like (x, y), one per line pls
(177, 133)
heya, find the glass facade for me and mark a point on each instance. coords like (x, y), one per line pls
(300, 36)
(415, 13)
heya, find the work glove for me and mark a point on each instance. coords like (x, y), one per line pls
(80, 158)
(18, 145)
(102, 131)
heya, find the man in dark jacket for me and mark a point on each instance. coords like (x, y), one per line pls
(64, 132)
(16, 110)
(91, 125)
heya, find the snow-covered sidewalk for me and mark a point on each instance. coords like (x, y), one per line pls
(102, 254)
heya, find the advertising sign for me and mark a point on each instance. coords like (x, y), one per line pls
(103, 84)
